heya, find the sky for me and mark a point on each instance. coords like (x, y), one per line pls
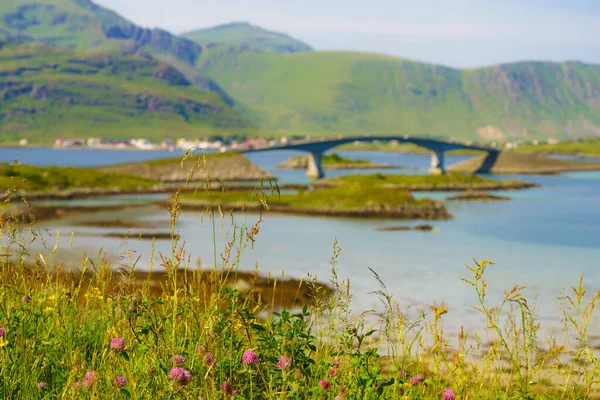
(456, 33)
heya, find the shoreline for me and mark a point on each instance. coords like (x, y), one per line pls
(507, 185)
(433, 211)
(168, 189)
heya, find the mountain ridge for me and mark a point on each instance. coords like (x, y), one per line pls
(245, 34)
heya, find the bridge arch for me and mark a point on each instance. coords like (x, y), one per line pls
(316, 149)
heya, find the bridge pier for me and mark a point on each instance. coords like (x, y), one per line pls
(437, 163)
(315, 168)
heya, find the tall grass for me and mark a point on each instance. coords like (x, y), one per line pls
(106, 333)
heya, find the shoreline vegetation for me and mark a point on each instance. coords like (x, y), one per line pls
(334, 162)
(220, 332)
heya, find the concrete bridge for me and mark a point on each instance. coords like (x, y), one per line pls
(316, 148)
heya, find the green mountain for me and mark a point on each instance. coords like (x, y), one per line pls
(327, 93)
(244, 34)
(48, 92)
(83, 25)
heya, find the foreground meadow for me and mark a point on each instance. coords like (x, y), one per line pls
(105, 333)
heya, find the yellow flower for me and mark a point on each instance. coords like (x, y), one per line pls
(3, 343)
(48, 309)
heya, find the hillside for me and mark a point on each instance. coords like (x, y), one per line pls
(85, 26)
(48, 92)
(244, 34)
(327, 93)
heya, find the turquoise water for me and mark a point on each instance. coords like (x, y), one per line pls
(544, 238)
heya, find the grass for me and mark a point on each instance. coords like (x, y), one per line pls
(587, 148)
(335, 158)
(42, 179)
(98, 335)
(340, 197)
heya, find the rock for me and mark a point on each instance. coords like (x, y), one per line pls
(427, 228)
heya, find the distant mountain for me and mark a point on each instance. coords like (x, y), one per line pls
(48, 92)
(244, 34)
(83, 25)
(330, 93)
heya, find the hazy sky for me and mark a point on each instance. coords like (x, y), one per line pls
(459, 33)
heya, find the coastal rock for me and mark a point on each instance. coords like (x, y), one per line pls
(425, 228)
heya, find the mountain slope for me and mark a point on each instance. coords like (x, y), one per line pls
(244, 34)
(328, 93)
(83, 25)
(47, 92)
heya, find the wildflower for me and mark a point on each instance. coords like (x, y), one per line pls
(449, 394)
(48, 310)
(342, 390)
(2, 332)
(120, 381)
(324, 383)
(403, 374)
(234, 393)
(284, 362)
(180, 375)
(76, 385)
(88, 379)
(41, 385)
(26, 298)
(209, 358)
(338, 397)
(201, 349)
(117, 344)
(227, 387)
(415, 380)
(249, 357)
(332, 373)
(337, 362)
(178, 359)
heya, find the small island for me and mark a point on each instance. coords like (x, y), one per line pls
(340, 201)
(422, 228)
(511, 163)
(478, 196)
(416, 183)
(334, 161)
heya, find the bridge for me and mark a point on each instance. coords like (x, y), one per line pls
(316, 148)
